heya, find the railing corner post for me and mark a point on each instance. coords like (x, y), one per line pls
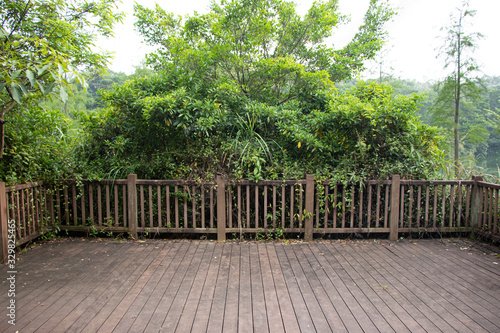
(132, 204)
(3, 223)
(308, 227)
(221, 209)
(394, 217)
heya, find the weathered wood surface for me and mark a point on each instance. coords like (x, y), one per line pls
(74, 285)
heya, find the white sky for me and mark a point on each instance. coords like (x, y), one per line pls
(411, 49)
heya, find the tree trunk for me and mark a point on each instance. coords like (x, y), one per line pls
(2, 124)
(457, 99)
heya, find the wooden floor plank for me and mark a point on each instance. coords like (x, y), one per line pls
(328, 307)
(355, 319)
(389, 278)
(459, 271)
(126, 303)
(245, 316)
(179, 300)
(299, 304)
(289, 318)
(167, 295)
(127, 289)
(460, 299)
(366, 285)
(102, 291)
(33, 288)
(432, 304)
(67, 293)
(231, 311)
(187, 317)
(216, 319)
(364, 269)
(322, 286)
(203, 311)
(274, 317)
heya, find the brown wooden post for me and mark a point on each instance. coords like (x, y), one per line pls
(476, 202)
(221, 209)
(132, 204)
(308, 222)
(3, 223)
(50, 205)
(394, 218)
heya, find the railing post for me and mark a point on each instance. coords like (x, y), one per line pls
(132, 204)
(476, 203)
(3, 223)
(308, 222)
(221, 209)
(394, 218)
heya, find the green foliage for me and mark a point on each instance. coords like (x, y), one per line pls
(259, 50)
(156, 129)
(39, 145)
(43, 42)
(461, 84)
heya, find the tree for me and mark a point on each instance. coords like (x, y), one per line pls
(44, 44)
(463, 82)
(260, 50)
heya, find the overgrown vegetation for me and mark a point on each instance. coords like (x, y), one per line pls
(268, 100)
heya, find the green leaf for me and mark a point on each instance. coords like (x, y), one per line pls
(61, 69)
(63, 94)
(23, 88)
(42, 70)
(16, 93)
(49, 88)
(31, 77)
(15, 74)
(2, 86)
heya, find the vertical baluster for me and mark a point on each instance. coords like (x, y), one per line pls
(265, 206)
(211, 207)
(256, 206)
(176, 206)
(386, 210)
(158, 199)
(202, 193)
(360, 220)
(419, 207)
(369, 207)
(459, 205)
(402, 207)
(167, 204)
(427, 198)
(150, 195)
(325, 223)
(238, 189)
(292, 190)
(75, 208)
(116, 204)
(335, 206)
(141, 198)
(124, 205)
(91, 203)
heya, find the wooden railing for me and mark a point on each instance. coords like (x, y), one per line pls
(291, 206)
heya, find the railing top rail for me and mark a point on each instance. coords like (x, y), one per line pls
(22, 186)
(489, 185)
(437, 182)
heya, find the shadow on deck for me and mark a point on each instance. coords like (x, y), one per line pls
(75, 285)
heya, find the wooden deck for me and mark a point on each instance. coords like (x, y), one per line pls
(75, 285)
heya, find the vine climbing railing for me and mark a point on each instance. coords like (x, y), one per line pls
(221, 207)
